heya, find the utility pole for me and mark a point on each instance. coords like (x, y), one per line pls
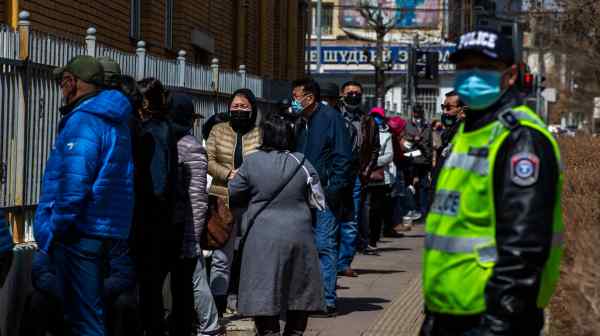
(379, 63)
(319, 31)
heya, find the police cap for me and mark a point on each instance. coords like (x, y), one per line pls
(487, 43)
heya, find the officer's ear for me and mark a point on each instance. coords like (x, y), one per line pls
(510, 76)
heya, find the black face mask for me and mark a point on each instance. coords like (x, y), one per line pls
(449, 120)
(240, 120)
(240, 115)
(353, 100)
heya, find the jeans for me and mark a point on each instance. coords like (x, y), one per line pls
(347, 246)
(207, 317)
(220, 270)
(423, 192)
(326, 228)
(349, 233)
(402, 200)
(295, 324)
(360, 216)
(80, 284)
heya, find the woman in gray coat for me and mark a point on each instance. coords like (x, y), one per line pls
(280, 266)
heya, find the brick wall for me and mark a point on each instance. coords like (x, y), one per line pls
(3, 18)
(252, 32)
(72, 18)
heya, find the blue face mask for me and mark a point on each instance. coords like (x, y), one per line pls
(297, 106)
(478, 89)
(378, 120)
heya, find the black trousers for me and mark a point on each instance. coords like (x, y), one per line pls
(295, 324)
(529, 324)
(44, 314)
(378, 207)
(152, 275)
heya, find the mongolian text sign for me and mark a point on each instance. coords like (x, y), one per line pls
(359, 59)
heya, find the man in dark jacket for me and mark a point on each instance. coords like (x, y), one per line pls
(44, 307)
(418, 136)
(364, 137)
(453, 112)
(324, 140)
(87, 192)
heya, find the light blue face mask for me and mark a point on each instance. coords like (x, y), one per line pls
(297, 106)
(478, 89)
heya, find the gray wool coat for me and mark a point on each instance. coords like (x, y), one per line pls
(280, 265)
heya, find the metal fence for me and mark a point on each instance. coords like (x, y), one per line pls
(30, 99)
(10, 90)
(53, 50)
(9, 40)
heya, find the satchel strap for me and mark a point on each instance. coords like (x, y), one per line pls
(309, 178)
(267, 203)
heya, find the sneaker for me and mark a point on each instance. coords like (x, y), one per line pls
(372, 250)
(330, 311)
(393, 234)
(414, 215)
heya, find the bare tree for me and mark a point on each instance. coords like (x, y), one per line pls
(382, 21)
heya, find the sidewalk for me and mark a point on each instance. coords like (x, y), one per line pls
(384, 300)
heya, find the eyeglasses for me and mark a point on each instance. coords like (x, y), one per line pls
(61, 82)
(446, 107)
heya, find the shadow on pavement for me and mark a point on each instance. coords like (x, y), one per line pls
(414, 236)
(347, 305)
(392, 249)
(375, 271)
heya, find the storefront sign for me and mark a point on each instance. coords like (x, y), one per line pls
(360, 59)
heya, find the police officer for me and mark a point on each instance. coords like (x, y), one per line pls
(494, 233)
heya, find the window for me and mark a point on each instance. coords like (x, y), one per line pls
(169, 24)
(135, 26)
(326, 18)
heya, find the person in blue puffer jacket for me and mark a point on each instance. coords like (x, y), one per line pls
(6, 248)
(87, 191)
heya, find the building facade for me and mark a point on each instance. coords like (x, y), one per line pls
(268, 36)
(348, 49)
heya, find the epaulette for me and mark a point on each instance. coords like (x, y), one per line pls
(508, 119)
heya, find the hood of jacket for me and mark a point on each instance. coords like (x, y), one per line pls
(181, 110)
(111, 105)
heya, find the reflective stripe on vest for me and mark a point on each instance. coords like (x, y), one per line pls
(484, 247)
(479, 165)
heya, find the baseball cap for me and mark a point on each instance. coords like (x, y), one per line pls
(86, 68)
(111, 68)
(378, 111)
(487, 43)
(330, 90)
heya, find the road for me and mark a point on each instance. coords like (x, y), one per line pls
(384, 300)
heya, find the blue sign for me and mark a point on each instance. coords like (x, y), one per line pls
(360, 59)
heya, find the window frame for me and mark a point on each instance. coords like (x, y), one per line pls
(135, 20)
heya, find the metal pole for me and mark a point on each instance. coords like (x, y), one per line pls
(318, 26)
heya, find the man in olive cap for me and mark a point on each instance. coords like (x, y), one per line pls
(87, 191)
(112, 72)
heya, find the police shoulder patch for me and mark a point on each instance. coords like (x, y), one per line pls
(525, 169)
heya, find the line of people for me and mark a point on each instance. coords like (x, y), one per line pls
(128, 191)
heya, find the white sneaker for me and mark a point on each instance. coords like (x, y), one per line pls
(415, 215)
